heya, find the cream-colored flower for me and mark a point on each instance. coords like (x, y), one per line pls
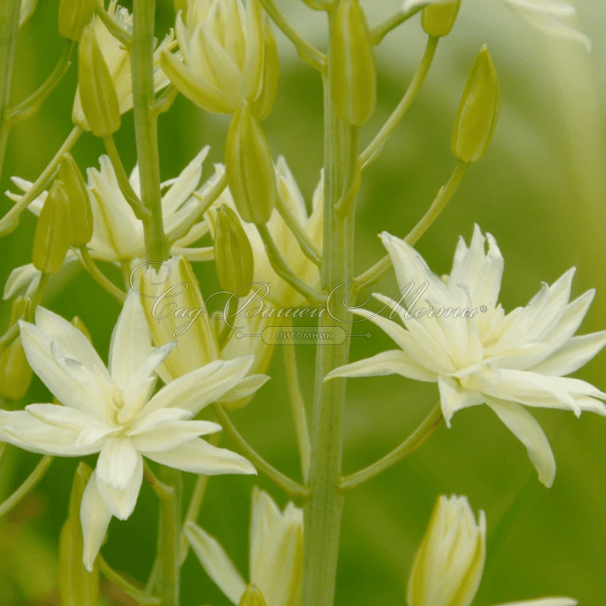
(118, 234)
(28, 8)
(448, 567)
(117, 59)
(111, 411)
(479, 354)
(275, 554)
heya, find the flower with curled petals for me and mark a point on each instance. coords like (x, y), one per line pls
(507, 361)
(111, 411)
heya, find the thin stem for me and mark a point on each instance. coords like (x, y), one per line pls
(309, 249)
(413, 443)
(125, 187)
(163, 491)
(99, 277)
(30, 483)
(146, 127)
(309, 53)
(380, 31)
(40, 184)
(298, 408)
(280, 266)
(9, 28)
(289, 486)
(34, 102)
(114, 29)
(370, 153)
(379, 269)
(119, 581)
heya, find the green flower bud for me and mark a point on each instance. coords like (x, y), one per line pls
(15, 371)
(97, 91)
(478, 112)
(271, 74)
(233, 253)
(81, 212)
(439, 19)
(78, 587)
(252, 596)
(354, 79)
(51, 240)
(74, 16)
(250, 170)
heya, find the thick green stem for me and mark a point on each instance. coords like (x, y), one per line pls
(9, 29)
(146, 127)
(324, 507)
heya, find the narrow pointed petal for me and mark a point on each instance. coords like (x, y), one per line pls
(95, 518)
(248, 386)
(453, 397)
(117, 463)
(216, 562)
(525, 427)
(544, 602)
(121, 502)
(172, 434)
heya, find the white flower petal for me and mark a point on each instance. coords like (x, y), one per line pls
(525, 427)
(95, 518)
(544, 602)
(245, 388)
(197, 456)
(216, 562)
(172, 434)
(183, 186)
(453, 397)
(117, 462)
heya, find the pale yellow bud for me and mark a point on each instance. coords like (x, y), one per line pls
(271, 75)
(233, 253)
(252, 596)
(15, 371)
(51, 240)
(439, 19)
(74, 16)
(81, 212)
(478, 111)
(354, 79)
(96, 87)
(250, 169)
(450, 560)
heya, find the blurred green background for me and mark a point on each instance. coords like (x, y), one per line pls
(541, 191)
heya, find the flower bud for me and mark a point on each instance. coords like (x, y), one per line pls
(252, 596)
(320, 5)
(51, 240)
(79, 324)
(354, 79)
(15, 371)
(74, 16)
(478, 111)
(233, 253)
(250, 170)
(96, 87)
(80, 210)
(439, 19)
(450, 560)
(78, 587)
(271, 74)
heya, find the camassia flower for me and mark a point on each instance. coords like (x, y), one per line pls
(112, 411)
(448, 567)
(275, 554)
(118, 234)
(507, 361)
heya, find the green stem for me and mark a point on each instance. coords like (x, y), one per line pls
(146, 127)
(99, 277)
(114, 29)
(10, 11)
(30, 483)
(380, 31)
(371, 152)
(324, 507)
(41, 183)
(404, 450)
(119, 581)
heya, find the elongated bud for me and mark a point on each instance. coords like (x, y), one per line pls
(478, 111)
(74, 16)
(81, 212)
(450, 560)
(52, 232)
(320, 5)
(354, 79)
(252, 596)
(97, 91)
(250, 170)
(271, 75)
(78, 587)
(79, 324)
(15, 371)
(439, 19)
(233, 253)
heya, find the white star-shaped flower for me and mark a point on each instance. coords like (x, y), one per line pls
(504, 360)
(112, 411)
